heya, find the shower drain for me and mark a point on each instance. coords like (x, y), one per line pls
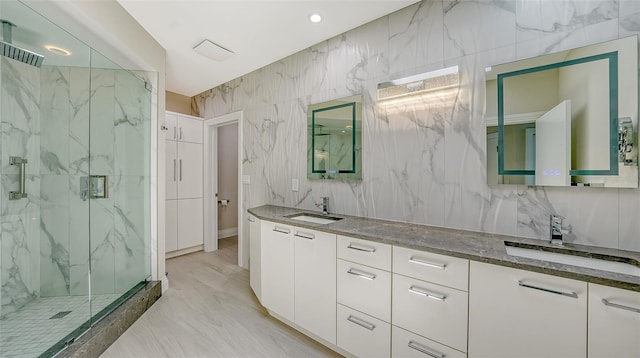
(60, 314)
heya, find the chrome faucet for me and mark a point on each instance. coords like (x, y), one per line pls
(555, 229)
(324, 205)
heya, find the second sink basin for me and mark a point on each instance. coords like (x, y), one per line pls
(313, 218)
(607, 263)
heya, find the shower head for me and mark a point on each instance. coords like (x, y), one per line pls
(7, 49)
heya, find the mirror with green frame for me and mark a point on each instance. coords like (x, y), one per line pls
(565, 119)
(335, 139)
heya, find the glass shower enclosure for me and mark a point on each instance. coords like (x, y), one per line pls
(75, 180)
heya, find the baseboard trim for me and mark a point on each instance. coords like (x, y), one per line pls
(165, 284)
(188, 250)
(227, 232)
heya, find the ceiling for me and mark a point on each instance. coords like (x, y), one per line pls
(259, 32)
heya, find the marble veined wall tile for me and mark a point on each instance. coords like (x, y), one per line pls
(131, 126)
(78, 138)
(629, 223)
(130, 239)
(101, 241)
(629, 18)
(54, 235)
(551, 26)
(367, 53)
(55, 110)
(425, 162)
(472, 26)
(81, 236)
(103, 109)
(416, 36)
(19, 136)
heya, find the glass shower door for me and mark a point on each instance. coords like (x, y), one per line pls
(118, 183)
(44, 150)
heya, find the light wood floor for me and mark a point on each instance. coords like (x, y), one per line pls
(210, 311)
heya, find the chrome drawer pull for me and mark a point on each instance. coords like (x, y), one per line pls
(568, 294)
(423, 292)
(361, 323)
(251, 220)
(305, 235)
(422, 349)
(415, 260)
(361, 248)
(366, 275)
(622, 307)
(282, 231)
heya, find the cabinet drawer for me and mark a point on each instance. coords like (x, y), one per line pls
(426, 266)
(365, 252)
(433, 311)
(363, 335)
(365, 288)
(407, 344)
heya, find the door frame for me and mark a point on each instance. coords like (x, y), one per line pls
(210, 157)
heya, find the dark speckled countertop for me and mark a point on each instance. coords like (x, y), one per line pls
(470, 245)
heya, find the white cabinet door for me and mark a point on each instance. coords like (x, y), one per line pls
(190, 223)
(171, 170)
(170, 121)
(517, 313)
(315, 282)
(362, 335)
(614, 322)
(171, 226)
(190, 129)
(277, 269)
(255, 262)
(189, 170)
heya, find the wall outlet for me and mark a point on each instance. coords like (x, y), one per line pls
(295, 184)
(246, 179)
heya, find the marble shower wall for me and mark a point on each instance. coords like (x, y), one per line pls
(19, 136)
(104, 112)
(425, 162)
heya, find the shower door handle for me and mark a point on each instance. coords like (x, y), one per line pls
(22, 163)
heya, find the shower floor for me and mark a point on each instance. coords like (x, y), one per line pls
(32, 330)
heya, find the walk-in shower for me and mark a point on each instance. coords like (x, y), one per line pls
(74, 184)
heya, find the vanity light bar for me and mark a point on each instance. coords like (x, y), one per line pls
(424, 82)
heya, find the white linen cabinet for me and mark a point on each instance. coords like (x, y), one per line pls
(183, 178)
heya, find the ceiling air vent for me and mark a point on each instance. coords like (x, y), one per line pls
(417, 84)
(213, 51)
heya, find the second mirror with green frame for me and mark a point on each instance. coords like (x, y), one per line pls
(334, 138)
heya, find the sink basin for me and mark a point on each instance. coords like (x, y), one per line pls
(312, 218)
(606, 263)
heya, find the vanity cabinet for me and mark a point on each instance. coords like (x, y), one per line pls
(298, 277)
(518, 313)
(614, 322)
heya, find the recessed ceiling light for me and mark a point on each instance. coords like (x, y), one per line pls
(58, 50)
(315, 18)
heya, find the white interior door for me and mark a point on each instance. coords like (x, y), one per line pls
(553, 160)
